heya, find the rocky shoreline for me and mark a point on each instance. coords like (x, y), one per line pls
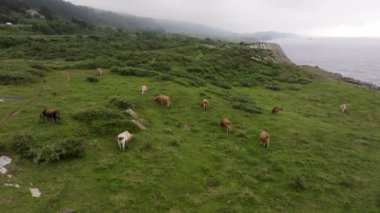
(280, 56)
(340, 77)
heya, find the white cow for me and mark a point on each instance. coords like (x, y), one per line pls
(99, 72)
(123, 138)
(343, 108)
(143, 89)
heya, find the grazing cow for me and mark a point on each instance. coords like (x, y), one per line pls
(51, 114)
(225, 123)
(99, 72)
(264, 139)
(205, 104)
(123, 139)
(343, 108)
(276, 110)
(143, 89)
(163, 99)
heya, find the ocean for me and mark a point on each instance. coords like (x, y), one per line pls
(357, 58)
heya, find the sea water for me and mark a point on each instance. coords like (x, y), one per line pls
(357, 58)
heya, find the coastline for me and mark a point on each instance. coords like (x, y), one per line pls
(281, 57)
(338, 76)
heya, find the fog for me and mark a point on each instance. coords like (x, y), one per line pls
(348, 18)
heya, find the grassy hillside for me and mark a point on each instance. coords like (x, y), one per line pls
(318, 159)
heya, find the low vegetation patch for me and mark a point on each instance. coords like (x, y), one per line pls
(121, 103)
(23, 145)
(92, 79)
(56, 152)
(245, 103)
(16, 78)
(133, 71)
(91, 115)
(113, 127)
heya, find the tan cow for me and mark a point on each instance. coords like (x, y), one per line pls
(264, 139)
(205, 104)
(163, 99)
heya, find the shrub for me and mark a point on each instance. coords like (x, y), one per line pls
(247, 108)
(298, 81)
(57, 152)
(2, 147)
(195, 69)
(121, 103)
(273, 87)
(161, 66)
(293, 88)
(92, 79)
(220, 84)
(113, 127)
(92, 115)
(298, 183)
(165, 77)
(37, 73)
(247, 83)
(245, 103)
(21, 144)
(16, 78)
(40, 67)
(133, 71)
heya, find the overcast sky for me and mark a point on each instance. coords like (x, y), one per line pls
(305, 17)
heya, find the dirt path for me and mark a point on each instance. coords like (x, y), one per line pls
(42, 95)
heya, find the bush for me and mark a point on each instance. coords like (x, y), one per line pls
(92, 79)
(16, 78)
(195, 69)
(220, 84)
(121, 103)
(247, 108)
(298, 183)
(133, 71)
(113, 127)
(37, 73)
(293, 88)
(22, 144)
(40, 67)
(2, 147)
(92, 115)
(57, 152)
(165, 77)
(273, 87)
(245, 103)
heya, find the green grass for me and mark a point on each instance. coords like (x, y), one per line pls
(318, 160)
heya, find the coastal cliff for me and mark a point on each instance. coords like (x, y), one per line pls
(278, 54)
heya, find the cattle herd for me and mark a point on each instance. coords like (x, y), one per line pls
(123, 138)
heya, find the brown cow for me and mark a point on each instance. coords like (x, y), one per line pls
(50, 114)
(163, 99)
(264, 139)
(205, 104)
(225, 123)
(276, 110)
